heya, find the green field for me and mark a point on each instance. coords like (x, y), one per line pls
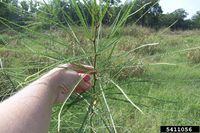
(158, 70)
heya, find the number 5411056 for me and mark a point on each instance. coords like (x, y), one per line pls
(178, 129)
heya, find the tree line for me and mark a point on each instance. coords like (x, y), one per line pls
(61, 12)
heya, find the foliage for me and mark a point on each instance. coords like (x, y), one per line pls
(151, 15)
(75, 35)
(8, 11)
(196, 20)
(24, 5)
(165, 82)
(147, 16)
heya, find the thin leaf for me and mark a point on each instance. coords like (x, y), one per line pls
(1, 64)
(126, 96)
(81, 17)
(108, 108)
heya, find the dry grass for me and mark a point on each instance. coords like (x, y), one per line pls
(193, 56)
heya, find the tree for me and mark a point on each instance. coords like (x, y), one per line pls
(196, 20)
(166, 20)
(9, 11)
(4, 10)
(180, 15)
(147, 16)
(112, 11)
(24, 5)
(33, 6)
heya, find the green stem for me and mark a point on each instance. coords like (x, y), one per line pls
(94, 75)
(95, 55)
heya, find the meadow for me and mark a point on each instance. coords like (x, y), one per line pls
(157, 70)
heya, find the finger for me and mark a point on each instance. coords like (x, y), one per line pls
(83, 87)
(85, 84)
(82, 68)
(79, 68)
(85, 77)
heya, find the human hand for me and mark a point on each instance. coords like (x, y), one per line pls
(69, 77)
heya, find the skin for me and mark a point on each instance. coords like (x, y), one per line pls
(29, 110)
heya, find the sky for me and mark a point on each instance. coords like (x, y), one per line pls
(190, 6)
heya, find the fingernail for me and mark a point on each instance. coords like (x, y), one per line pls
(86, 78)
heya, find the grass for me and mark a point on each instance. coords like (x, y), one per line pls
(167, 92)
(139, 70)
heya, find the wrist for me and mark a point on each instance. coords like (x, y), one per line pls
(51, 85)
(56, 81)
